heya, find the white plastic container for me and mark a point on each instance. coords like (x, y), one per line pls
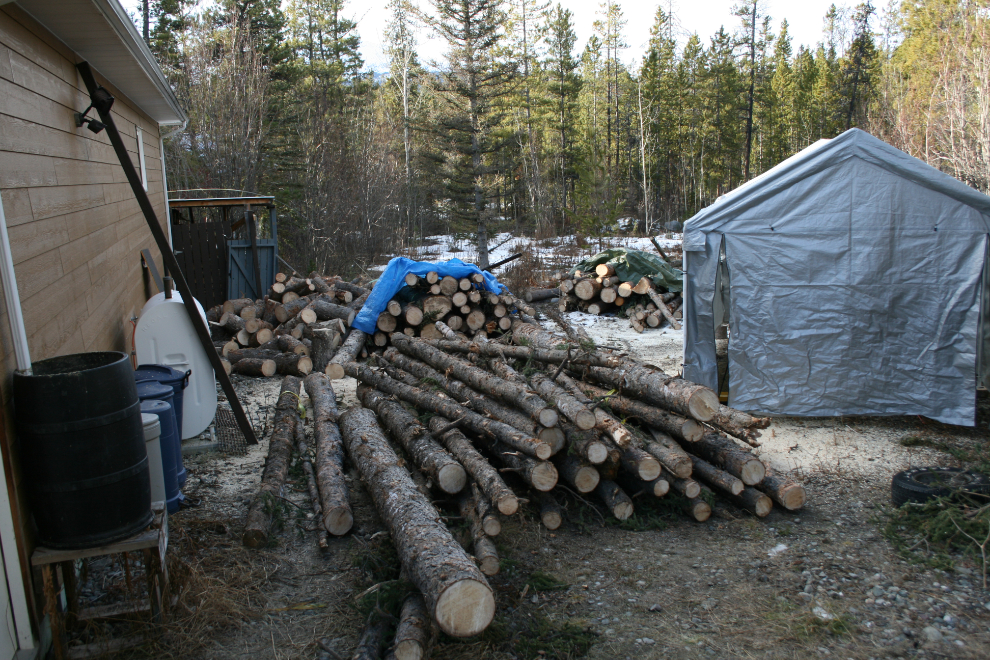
(165, 335)
(152, 442)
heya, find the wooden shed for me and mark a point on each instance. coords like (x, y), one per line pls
(75, 230)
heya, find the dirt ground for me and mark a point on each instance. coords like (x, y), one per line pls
(824, 581)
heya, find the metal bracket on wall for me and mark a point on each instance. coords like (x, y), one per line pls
(149, 263)
(169, 260)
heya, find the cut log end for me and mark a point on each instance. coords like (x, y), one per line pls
(335, 371)
(452, 478)
(551, 519)
(465, 608)
(254, 538)
(596, 453)
(703, 404)
(661, 487)
(753, 472)
(339, 521)
(692, 430)
(548, 417)
(585, 420)
(699, 509)
(544, 476)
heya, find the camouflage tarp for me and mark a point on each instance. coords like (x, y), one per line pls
(633, 265)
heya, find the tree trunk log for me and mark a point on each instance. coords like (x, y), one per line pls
(536, 295)
(477, 378)
(565, 402)
(451, 410)
(739, 424)
(325, 343)
(670, 454)
(727, 455)
(488, 479)
(637, 462)
(347, 352)
(486, 514)
(455, 591)
(662, 306)
(783, 490)
(334, 497)
(615, 499)
(259, 517)
(255, 367)
(415, 633)
(582, 477)
(235, 306)
(698, 509)
(586, 444)
(715, 478)
(428, 456)
(635, 486)
(687, 487)
(314, 491)
(551, 514)
(541, 475)
(239, 354)
(681, 428)
(753, 501)
(371, 644)
(293, 364)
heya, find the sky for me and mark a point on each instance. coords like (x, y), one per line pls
(804, 18)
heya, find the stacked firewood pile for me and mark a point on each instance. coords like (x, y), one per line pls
(603, 291)
(463, 306)
(296, 329)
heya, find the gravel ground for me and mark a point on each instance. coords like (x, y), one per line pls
(819, 582)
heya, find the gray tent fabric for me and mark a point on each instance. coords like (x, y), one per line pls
(856, 278)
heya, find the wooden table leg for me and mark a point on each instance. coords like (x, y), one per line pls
(51, 608)
(69, 580)
(152, 567)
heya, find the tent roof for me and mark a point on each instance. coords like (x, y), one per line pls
(100, 32)
(816, 158)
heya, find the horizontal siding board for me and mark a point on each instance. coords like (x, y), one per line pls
(28, 137)
(27, 171)
(78, 172)
(91, 220)
(5, 62)
(67, 291)
(17, 101)
(59, 200)
(17, 205)
(35, 274)
(85, 249)
(34, 238)
(29, 75)
(23, 41)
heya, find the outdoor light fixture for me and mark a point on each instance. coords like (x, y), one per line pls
(102, 101)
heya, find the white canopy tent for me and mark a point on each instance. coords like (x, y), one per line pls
(852, 276)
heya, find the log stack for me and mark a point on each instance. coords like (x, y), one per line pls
(463, 305)
(296, 329)
(603, 292)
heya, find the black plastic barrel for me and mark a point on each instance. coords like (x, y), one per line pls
(81, 444)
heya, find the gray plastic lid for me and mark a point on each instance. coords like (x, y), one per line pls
(152, 427)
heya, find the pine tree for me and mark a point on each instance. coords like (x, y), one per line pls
(858, 70)
(472, 86)
(563, 85)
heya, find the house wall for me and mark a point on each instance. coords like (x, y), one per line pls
(75, 228)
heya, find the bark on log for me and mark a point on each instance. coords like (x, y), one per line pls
(687, 487)
(415, 634)
(715, 478)
(604, 421)
(488, 479)
(239, 354)
(753, 501)
(451, 410)
(293, 364)
(615, 499)
(727, 455)
(235, 306)
(640, 463)
(574, 410)
(739, 424)
(255, 367)
(551, 514)
(289, 310)
(698, 509)
(486, 514)
(541, 475)
(347, 352)
(456, 593)
(314, 492)
(334, 496)
(634, 486)
(783, 490)
(670, 454)
(429, 457)
(681, 428)
(662, 306)
(259, 517)
(581, 476)
(358, 302)
(536, 295)
(476, 401)
(371, 644)
(478, 379)
(547, 355)
(485, 553)
(586, 444)
(232, 323)
(325, 343)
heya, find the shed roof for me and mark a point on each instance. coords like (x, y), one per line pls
(820, 156)
(101, 32)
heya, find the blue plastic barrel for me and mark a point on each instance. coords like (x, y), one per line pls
(177, 380)
(166, 418)
(152, 389)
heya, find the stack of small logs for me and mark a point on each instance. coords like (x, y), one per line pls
(509, 421)
(603, 291)
(463, 305)
(296, 329)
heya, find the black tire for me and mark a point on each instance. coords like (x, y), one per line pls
(922, 484)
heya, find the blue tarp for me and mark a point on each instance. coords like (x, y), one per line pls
(393, 279)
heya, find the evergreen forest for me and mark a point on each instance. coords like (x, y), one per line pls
(521, 128)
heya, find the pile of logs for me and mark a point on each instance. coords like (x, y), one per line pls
(296, 329)
(602, 291)
(463, 305)
(518, 420)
